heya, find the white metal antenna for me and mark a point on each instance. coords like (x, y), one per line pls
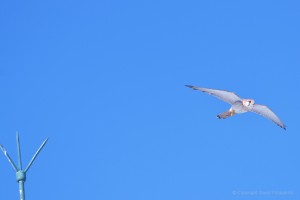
(21, 174)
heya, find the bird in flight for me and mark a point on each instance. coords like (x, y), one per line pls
(239, 105)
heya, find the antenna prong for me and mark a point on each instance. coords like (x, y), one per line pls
(19, 152)
(35, 155)
(8, 158)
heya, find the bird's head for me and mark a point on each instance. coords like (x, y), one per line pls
(248, 102)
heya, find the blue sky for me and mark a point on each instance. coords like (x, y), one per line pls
(104, 80)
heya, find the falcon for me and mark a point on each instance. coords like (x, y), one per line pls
(239, 105)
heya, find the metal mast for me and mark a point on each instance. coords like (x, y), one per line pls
(20, 173)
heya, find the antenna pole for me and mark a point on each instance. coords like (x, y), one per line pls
(21, 178)
(21, 174)
(22, 191)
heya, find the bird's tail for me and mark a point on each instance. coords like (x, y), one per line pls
(226, 114)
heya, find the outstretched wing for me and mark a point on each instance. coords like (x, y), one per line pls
(268, 113)
(226, 96)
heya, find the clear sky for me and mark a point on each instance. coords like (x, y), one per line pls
(104, 80)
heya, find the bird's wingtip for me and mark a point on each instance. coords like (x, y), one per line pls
(190, 86)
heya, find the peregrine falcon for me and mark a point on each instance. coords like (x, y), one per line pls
(239, 105)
